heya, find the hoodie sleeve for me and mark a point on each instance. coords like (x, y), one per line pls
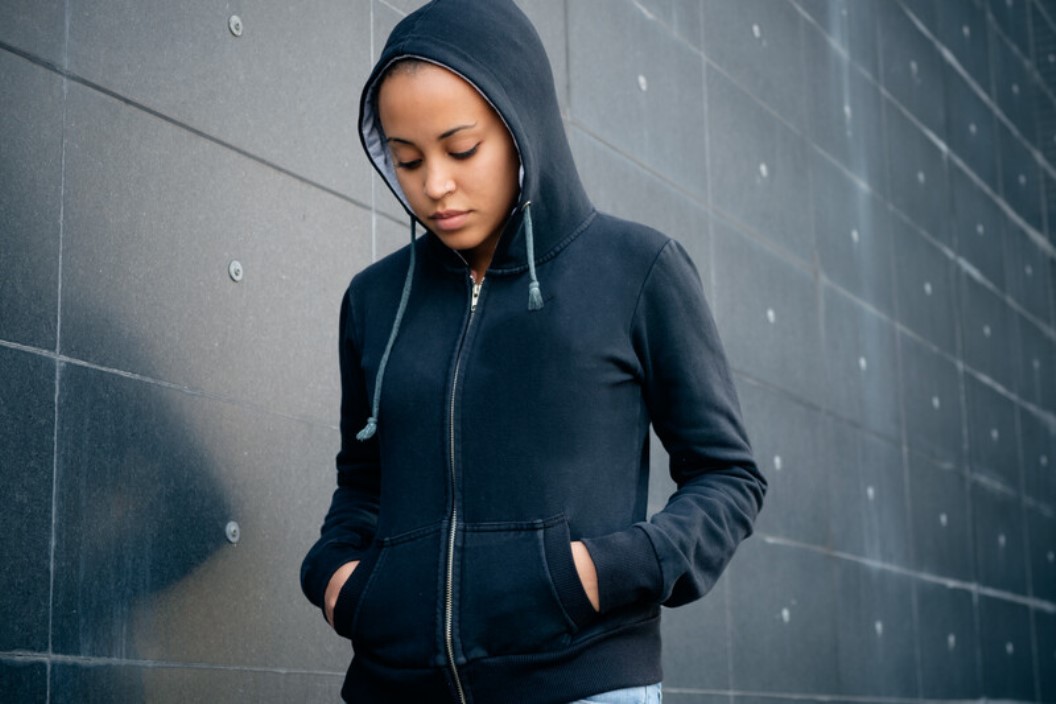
(350, 523)
(678, 555)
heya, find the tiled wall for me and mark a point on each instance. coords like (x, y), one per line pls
(867, 186)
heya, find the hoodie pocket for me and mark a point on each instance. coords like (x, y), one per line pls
(519, 591)
(394, 619)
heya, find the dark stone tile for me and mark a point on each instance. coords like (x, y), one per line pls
(925, 11)
(786, 441)
(103, 684)
(861, 364)
(912, 67)
(37, 27)
(867, 495)
(690, 661)
(843, 110)
(1026, 273)
(876, 631)
(678, 697)
(978, 226)
(1038, 452)
(1045, 630)
(1020, 177)
(988, 333)
(767, 312)
(1000, 555)
(685, 18)
(931, 392)
(27, 421)
(1014, 89)
(942, 529)
(783, 632)
(949, 667)
(971, 131)
(149, 478)
(917, 179)
(287, 90)
(925, 287)
(963, 29)
(992, 444)
(851, 24)
(630, 84)
(550, 21)
(1011, 18)
(23, 681)
(155, 215)
(1041, 536)
(1005, 644)
(762, 163)
(30, 200)
(760, 45)
(618, 186)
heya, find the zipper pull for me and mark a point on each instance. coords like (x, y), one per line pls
(476, 294)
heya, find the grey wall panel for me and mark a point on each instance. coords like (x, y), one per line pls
(1000, 552)
(1006, 647)
(145, 566)
(151, 229)
(993, 449)
(36, 27)
(1038, 445)
(843, 110)
(942, 528)
(684, 17)
(1045, 630)
(978, 227)
(758, 165)
(630, 84)
(1041, 539)
(24, 681)
(931, 393)
(917, 174)
(1027, 275)
(911, 67)
(926, 286)
(949, 650)
(27, 432)
(1020, 177)
(988, 333)
(852, 229)
(766, 307)
(1013, 88)
(970, 131)
(851, 25)
(1011, 18)
(31, 103)
(860, 364)
(696, 643)
(286, 90)
(759, 44)
(962, 28)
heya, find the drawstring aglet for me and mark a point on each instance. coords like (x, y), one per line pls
(535, 296)
(368, 430)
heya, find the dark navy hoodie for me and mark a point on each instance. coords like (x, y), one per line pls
(504, 433)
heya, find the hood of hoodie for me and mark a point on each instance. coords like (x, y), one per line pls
(494, 47)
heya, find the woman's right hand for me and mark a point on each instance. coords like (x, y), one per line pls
(333, 589)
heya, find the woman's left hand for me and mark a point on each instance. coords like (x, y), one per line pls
(588, 575)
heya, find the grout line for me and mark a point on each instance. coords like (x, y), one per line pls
(96, 661)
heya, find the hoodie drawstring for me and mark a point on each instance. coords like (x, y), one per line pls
(535, 296)
(372, 423)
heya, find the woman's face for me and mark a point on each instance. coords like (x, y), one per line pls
(455, 160)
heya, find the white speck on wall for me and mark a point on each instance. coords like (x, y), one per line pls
(879, 626)
(951, 641)
(943, 520)
(777, 463)
(935, 402)
(771, 316)
(870, 492)
(786, 615)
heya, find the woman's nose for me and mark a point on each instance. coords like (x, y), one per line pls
(438, 182)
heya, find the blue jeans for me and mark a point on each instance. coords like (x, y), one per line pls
(631, 695)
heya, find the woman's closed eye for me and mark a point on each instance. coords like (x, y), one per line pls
(466, 154)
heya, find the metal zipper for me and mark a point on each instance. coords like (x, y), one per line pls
(449, 597)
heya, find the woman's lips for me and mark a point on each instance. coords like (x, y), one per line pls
(448, 220)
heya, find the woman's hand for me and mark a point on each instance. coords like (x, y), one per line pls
(333, 589)
(588, 575)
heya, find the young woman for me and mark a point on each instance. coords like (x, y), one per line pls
(487, 541)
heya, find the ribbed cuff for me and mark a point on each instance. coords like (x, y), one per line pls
(628, 568)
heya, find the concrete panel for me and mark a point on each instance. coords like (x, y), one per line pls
(912, 67)
(1045, 630)
(1000, 555)
(102, 684)
(993, 449)
(962, 28)
(918, 183)
(286, 90)
(1007, 655)
(146, 566)
(926, 287)
(1011, 17)
(783, 637)
(36, 27)
(684, 17)
(759, 44)
(851, 25)
(843, 110)
(1014, 87)
(23, 681)
(978, 227)
(931, 393)
(786, 437)
(154, 216)
(768, 313)
(1020, 177)
(761, 163)
(696, 643)
(1027, 274)
(876, 631)
(31, 103)
(27, 427)
(970, 131)
(630, 84)
(942, 528)
(949, 667)
(1041, 538)
(861, 364)
(867, 495)
(549, 18)
(988, 333)
(852, 229)
(1038, 452)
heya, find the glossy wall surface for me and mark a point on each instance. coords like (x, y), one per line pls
(868, 188)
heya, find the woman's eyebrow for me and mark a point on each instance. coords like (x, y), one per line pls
(440, 138)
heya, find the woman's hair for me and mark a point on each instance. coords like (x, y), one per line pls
(408, 65)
